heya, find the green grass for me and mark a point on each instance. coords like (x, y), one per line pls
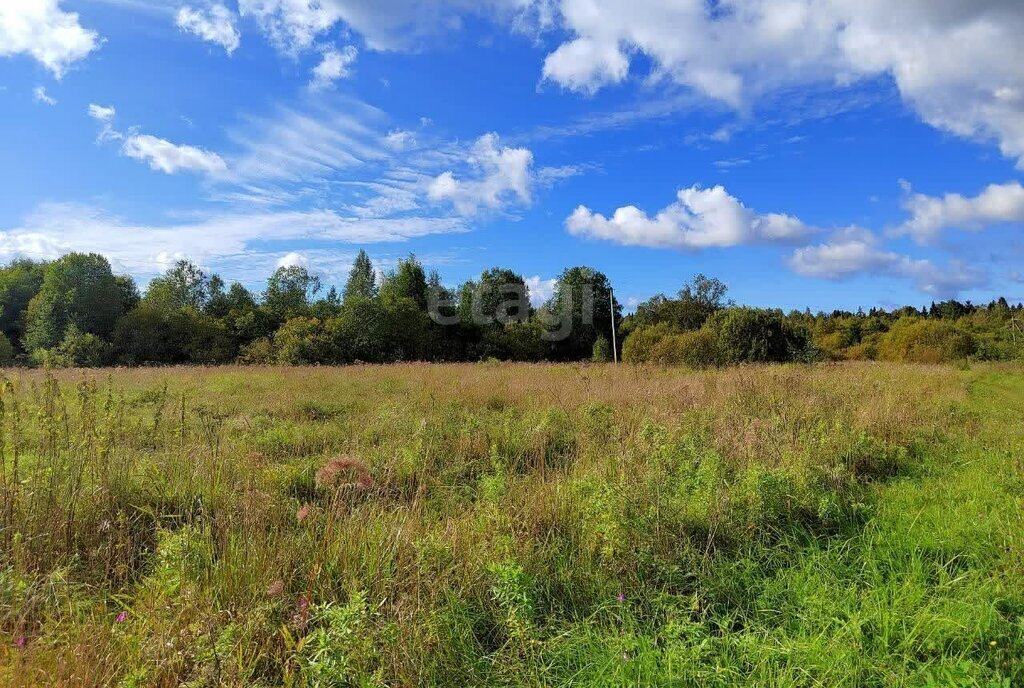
(854, 525)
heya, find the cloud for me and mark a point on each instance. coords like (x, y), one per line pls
(101, 113)
(855, 251)
(540, 289)
(586, 64)
(301, 146)
(336, 64)
(502, 176)
(699, 219)
(295, 25)
(170, 158)
(400, 139)
(996, 204)
(955, 62)
(55, 229)
(215, 24)
(293, 259)
(40, 96)
(160, 154)
(39, 28)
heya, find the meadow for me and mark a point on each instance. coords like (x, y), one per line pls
(849, 524)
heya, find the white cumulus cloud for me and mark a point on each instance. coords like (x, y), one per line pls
(698, 219)
(293, 259)
(540, 289)
(215, 24)
(167, 157)
(501, 175)
(855, 251)
(956, 62)
(335, 65)
(41, 29)
(160, 154)
(996, 204)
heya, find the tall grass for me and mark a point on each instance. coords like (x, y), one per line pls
(512, 525)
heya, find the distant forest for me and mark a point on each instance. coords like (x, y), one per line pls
(75, 312)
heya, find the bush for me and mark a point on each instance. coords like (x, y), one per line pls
(917, 340)
(76, 350)
(753, 335)
(302, 341)
(6, 351)
(258, 352)
(640, 344)
(602, 351)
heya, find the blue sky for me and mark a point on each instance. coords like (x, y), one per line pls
(810, 153)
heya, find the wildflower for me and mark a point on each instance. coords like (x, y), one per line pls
(621, 597)
(328, 474)
(275, 589)
(122, 617)
(993, 643)
(301, 617)
(19, 641)
(303, 513)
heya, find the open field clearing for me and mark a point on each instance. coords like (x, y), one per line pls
(503, 524)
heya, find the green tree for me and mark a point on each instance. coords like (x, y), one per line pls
(407, 281)
(184, 285)
(498, 297)
(289, 292)
(78, 289)
(362, 280)
(580, 310)
(19, 282)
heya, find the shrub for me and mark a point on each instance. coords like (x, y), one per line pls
(753, 335)
(302, 341)
(6, 351)
(697, 349)
(602, 351)
(918, 340)
(258, 352)
(640, 344)
(76, 350)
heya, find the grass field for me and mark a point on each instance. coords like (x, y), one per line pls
(479, 525)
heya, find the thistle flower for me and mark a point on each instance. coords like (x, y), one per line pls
(621, 597)
(122, 617)
(19, 642)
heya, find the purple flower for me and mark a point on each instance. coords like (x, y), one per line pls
(19, 641)
(122, 617)
(620, 597)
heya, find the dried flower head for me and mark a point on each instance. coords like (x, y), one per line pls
(303, 513)
(331, 473)
(275, 589)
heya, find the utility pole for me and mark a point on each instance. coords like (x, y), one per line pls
(615, 344)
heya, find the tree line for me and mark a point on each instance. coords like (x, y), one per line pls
(74, 311)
